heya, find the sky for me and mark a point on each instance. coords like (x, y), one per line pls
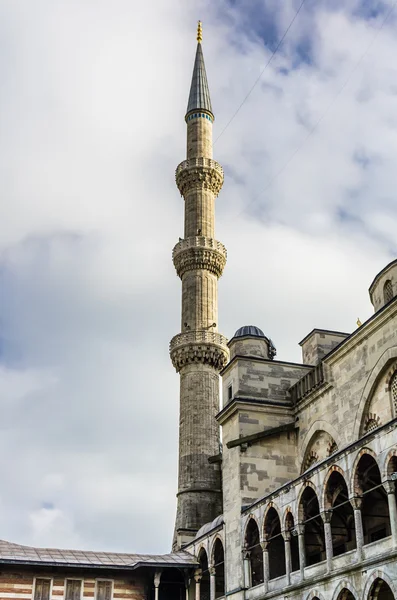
(92, 108)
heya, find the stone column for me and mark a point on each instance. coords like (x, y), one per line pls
(391, 498)
(356, 503)
(266, 570)
(157, 577)
(247, 568)
(302, 553)
(187, 583)
(197, 578)
(288, 562)
(329, 551)
(212, 582)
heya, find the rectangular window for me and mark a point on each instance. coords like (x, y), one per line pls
(230, 392)
(104, 590)
(73, 589)
(42, 589)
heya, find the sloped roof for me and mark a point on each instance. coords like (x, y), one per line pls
(16, 553)
(199, 97)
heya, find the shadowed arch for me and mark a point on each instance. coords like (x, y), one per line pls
(375, 507)
(276, 545)
(289, 526)
(254, 551)
(309, 511)
(345, 591)
(205, 578)
(336, 499)
(218, 561)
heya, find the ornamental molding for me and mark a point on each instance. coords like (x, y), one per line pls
(199, 253)
(205, 347)
(197, 174)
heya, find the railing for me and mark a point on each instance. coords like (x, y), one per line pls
(198, 337)
(199, 162)
(199, 242)
(308, 383)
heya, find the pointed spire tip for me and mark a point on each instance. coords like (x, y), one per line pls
(199, 32)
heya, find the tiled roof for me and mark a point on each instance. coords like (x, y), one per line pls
(199, 97)
(15, 553)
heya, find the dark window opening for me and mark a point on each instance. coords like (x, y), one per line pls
(375, 507)
(254, 549)
(219, 564)
(205, 578)
(314, 527)
(289, 524)
(276, 544)
(343, 528)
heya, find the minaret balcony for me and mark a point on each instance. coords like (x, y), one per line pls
(199, 173)
(206, 347)
(199, 252)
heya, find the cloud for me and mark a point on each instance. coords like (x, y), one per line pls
(92, 112)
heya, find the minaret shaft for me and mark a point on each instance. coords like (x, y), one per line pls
(199, 352)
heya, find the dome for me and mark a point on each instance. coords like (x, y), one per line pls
(249, 330)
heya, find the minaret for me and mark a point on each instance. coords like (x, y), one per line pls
(199, 352)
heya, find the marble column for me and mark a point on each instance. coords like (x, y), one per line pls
(212, 582)
(197, 578)
(302, 552)
(288, 562)
(356, 503)
(266, 570)
(391, 498)
(157, 577)
(247, 568)
(329, 551)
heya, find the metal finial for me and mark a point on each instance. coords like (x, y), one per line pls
(359, 322)
(199, 32)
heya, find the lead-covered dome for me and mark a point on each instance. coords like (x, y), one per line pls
(250, 330)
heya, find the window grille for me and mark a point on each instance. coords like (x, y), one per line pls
(370, 425)
(387, 291)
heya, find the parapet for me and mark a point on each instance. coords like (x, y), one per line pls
(318, 343)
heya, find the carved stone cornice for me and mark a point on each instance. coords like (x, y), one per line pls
(205, 347)
(199, 253)
(199, 173)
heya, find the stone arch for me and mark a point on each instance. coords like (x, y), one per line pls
(306, 484)
(211, 553)
(253, 551)
(290, 531)
(314, 595)
(274, 541)
(377, 574)
(218, 564)
(341, 587)
(256, 519)
(332, 469)
(352, 483)
(389, 464)
(387, 358)
(316, 426)
(342, 522)
(205, 574)
(320, 446)
(268, 507)
(310, 518)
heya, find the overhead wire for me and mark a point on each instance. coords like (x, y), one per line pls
(323, 115)
(261, 73)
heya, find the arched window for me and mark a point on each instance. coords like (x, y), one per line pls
(375, 509)
(342, 521)
(387, 291)
(172, 585)
(314, 527)
(380, 590)
(219, 564)
(254, 549)
(205, 577)
(290, 527)
(276, 544)
(393, 391)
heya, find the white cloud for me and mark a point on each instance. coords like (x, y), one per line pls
(92, 111)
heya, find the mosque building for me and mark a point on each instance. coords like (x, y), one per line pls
(299, 502)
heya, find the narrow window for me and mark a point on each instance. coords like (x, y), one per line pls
(42, 589)
(230, 392)
(103, 590)
(73, 589)
(387, 291)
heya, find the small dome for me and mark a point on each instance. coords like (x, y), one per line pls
(249, 330)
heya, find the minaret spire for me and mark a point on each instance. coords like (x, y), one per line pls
(199, 352)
